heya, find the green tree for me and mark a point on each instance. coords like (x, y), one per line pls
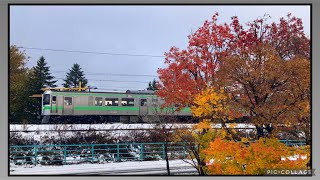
(18, 82)
(74, 76)
(152, 85)
(41, 76)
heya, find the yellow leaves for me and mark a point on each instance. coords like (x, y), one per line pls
(210, 103)
(205, 124)
(222, 133)
(244, 140)
(231, 157)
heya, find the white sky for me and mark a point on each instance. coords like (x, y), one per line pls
(150, 30)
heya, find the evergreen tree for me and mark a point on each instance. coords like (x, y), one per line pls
(152, 85)
(74, 76)
(41, 76)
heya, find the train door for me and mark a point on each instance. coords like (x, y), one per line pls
(68, 106)
(143, 108)
(54, 105)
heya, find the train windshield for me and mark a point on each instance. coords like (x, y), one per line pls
(46, 99)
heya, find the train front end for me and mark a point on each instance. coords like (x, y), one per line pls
(46, 106)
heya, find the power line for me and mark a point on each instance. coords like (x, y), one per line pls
(90, 52)
(111, 89)
(110, 80)
(109, 74)
(118, 87)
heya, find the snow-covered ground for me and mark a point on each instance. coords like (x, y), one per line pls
(177, 167)
(45, 131)
(129, 168)
(113, 126)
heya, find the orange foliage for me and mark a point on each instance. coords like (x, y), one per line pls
(235, 158)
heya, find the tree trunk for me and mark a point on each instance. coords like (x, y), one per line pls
(166, 154)
(269, 129)
(201, 173)
(259, 132)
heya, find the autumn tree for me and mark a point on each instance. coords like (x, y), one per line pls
(189, 71)
(237, 158)
(256, 63)
(213, 105)
(18, 76)
(196, 140)
(264, 76)
(74, 76)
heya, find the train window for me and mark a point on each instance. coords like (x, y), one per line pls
(111, 102)
(54, 100)
(68, 101)
(127, 102)
(154, 100)
(46, 99)
(143, 102)
(98, 101)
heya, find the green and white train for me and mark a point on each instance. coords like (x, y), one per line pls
(105, 107)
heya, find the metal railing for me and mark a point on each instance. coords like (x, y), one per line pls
(293, 142)
(63, 154)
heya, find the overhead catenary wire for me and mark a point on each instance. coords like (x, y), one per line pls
(89, 52)
(110, 80)
(109, 74)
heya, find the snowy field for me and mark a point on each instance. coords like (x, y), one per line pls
(113, 126)
(122, 168)
(177, 167)
(44, 131)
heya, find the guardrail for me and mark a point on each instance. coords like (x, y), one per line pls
(59, 154)
(62, 154)
(293, 142)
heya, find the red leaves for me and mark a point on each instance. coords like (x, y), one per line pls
(189, 70)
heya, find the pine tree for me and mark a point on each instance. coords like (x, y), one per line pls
(152, 85)
(41, 76)
(74, 76)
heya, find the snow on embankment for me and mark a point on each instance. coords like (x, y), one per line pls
(115, 126)
(61, 132)
(109, 168)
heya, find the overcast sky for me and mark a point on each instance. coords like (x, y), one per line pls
(139, 30)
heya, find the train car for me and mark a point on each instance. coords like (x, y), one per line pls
(102, 107)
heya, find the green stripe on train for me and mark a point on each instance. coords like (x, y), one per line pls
(106, 108)
(47, 107)
(113, 108)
